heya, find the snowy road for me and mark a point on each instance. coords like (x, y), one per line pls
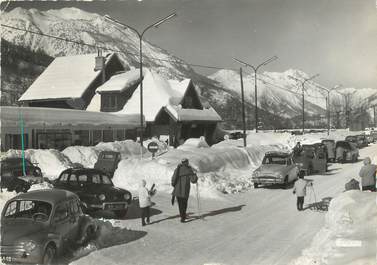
(257, 227)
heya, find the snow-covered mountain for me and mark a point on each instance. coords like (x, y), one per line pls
(221, 90)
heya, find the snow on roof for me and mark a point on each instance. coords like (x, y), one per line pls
(31, 116)
(156, 94)
(181, 114)
(121, 81)
(95, 103)
(65, 77)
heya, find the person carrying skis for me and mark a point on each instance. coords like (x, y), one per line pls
(368, 175)
(300, 190)
(181, 179)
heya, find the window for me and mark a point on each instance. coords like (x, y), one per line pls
(11, 209)
(106, 180)
(73, 180)
(83, 178)
(96, 179)
(74, 207)
(64, 177)
(61, 212)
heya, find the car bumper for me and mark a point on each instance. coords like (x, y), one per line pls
(110, 206)
(18, 255)
(267, 180)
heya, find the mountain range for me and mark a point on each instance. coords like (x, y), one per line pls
(279, 97)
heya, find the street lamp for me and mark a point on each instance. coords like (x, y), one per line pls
(255, 68)
(303, 96)
(140, 35)
(328, 104)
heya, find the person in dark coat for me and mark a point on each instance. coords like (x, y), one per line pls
(368, 175)
(181, 180)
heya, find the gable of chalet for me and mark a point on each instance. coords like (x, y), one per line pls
(70, 81)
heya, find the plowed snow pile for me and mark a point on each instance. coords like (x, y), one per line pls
(349, 235)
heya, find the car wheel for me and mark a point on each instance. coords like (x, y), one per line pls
(49, 255)
(256, 186)
(121, 213)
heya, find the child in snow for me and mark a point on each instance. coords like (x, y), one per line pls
(300, 190)
(145, 202)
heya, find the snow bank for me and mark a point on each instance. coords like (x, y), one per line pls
(51, 161)
(349, 235)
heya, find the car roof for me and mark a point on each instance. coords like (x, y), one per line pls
(52, 196)
(83, 170)
(277, 153)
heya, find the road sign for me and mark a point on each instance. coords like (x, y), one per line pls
(153, 147)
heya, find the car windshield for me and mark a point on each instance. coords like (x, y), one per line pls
(278, 160)
(100, 179)
(28, 209)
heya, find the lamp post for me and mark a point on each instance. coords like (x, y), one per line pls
(255, 68)
(303, 96)
(328, 104)
(140, 35)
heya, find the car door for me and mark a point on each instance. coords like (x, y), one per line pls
(61, 223)
(62, 181)
(293, 170)
(73, 213)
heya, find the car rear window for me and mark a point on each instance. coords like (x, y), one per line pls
(274, 160)
(108, 156)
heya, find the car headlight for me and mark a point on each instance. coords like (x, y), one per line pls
(279, 175)
(127, 196)
(29, 246)
(102, 197)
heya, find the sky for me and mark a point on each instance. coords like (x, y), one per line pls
(335, 38)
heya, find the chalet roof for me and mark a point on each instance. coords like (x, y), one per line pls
(121, 82)
(180, 114)
(65, 77)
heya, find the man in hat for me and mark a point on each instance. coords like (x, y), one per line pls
(182, 177)
(368, 175)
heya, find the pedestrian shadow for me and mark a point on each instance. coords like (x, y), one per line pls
(168, 218)
(321, 206)
(216, 212)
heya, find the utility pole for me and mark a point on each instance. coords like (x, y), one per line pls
(328, 105)
(303, 96)
(243, 109)
(374, 116)
(255, 68)
(140, 35)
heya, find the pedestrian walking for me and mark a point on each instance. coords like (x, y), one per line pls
(300, 190)
(181, 180)
(145, 202)
(368, 175)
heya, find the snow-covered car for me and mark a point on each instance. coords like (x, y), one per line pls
(108, 162)
(276, 168)
(95, 189)
(38, 226)
(346, 151)
(13, 177)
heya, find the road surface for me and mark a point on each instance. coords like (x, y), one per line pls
(258, 227)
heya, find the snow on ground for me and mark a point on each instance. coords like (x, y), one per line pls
(349, 235)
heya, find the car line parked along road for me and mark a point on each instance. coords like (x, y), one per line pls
(95, 189)
(39, 226)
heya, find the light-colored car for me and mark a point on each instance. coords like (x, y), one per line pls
(276, 168)
(38, 226)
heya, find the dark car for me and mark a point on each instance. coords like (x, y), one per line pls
(362, 140)
(346, 151)
(236, 135)
(353, 139)
(108, 162)
(38, 226)
(13, 177)
(95, 189)
(312, 159)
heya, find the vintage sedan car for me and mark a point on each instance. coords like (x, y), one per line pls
(95, 189)
(346, 152)
(276, 168)
(362, 140)
(355, 140)
(108, 162)
(12, 175)
(330, 149)
(38, 226)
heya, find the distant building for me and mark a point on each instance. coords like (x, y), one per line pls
(171, 108)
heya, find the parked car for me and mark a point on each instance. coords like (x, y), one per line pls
(374, 135)
(370, 138)
(330, 148)
(346, 151)
(38, 226)
(276, 168)
(108, 162)
(354, 139)
(312, 159)
(95, 189)
(236, 135)
(362, 140)
(12, 175)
